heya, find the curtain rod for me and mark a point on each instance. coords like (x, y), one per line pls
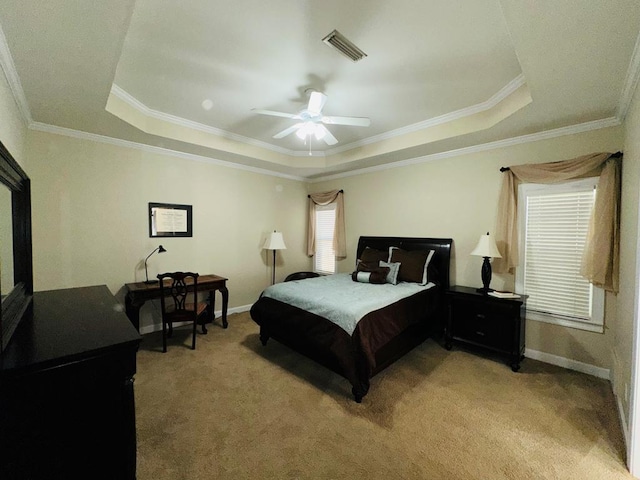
(341, 191)
(613, 155)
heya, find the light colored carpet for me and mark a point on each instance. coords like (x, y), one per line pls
(233, 409)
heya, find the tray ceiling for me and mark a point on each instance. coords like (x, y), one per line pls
(438, 74)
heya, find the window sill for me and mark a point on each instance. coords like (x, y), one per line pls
(563, 322)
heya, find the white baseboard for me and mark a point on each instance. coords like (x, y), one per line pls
(156, 327)
(568, 363)
(623, 420)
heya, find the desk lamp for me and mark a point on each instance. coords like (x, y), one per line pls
(160, 249)
(274, 242)
(486, 248)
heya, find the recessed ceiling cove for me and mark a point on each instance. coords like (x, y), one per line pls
(432, 70)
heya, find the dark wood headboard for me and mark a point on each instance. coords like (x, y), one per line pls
(441, 258)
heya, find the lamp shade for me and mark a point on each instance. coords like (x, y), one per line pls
(486, 247)
(274, 242)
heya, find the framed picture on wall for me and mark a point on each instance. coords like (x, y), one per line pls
(170, 220)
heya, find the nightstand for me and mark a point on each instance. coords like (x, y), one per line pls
(478, 319)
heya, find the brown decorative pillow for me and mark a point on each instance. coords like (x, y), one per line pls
(373, 256)
(413, 264)
(368, 273)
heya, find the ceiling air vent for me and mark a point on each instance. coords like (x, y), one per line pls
(338, 41)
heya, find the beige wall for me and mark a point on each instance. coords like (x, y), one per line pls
(12, 128)
(627, 299)
(457, 197)
(90, 218)
(12, 134)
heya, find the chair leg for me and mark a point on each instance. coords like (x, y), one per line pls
(193, 342)
(164, 336)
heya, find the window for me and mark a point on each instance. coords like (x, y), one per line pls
(324, 261)
(554, 220)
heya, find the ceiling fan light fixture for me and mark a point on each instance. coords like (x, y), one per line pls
(313, 121)
(306, 130)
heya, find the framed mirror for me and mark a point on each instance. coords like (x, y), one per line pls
(16, 267)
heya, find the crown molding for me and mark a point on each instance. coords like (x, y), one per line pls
(183, 122)
(68, 132)
(10, 73)
(495, 99)
(503, 93)
(631, 82)
(533, 137)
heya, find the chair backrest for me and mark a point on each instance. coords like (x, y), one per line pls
(301, 276)
(179, 285)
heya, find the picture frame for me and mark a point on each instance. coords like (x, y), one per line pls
(170, 220)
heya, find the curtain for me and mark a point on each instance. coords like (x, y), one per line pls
(600, 263)
(339, 237)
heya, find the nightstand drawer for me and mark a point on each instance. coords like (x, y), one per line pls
(484, 321)
(483, 326)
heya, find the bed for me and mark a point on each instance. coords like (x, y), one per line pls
(359, 349)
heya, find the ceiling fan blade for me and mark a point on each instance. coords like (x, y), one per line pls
(288, 131)
(316, 102)
(328, 137)
(276, 114)
(354, 121)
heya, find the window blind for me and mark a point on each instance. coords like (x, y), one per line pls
(556, 232)
(325, 257)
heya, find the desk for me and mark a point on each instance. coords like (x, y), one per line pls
(139, 293)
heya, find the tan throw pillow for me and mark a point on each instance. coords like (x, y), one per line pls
(413, 264)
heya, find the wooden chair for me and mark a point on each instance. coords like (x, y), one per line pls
(182, 287)
(301, 276)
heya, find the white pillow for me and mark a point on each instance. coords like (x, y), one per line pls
(425, 278)
(394, 268)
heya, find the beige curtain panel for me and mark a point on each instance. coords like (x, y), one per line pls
(339, 236)
(600, 263)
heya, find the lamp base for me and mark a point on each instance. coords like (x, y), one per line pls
(486, 276)
(484, 290)
(150, 282)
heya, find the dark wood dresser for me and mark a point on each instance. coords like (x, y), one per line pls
(480, 320)
(66, 389)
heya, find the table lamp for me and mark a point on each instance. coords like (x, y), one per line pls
(274, 242)
(160, 249)
(487, 249)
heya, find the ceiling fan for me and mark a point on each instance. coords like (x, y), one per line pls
(312, 121)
